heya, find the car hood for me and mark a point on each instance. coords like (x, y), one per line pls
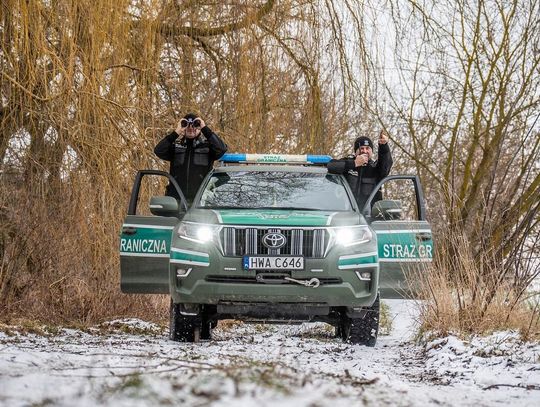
(274, 217)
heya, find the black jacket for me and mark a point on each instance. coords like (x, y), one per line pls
(191, 159)
(362, 180)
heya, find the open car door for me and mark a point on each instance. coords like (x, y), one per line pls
(145, 240)
(405, 244)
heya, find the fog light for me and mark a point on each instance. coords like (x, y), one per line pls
(183, 272)
(364, 275)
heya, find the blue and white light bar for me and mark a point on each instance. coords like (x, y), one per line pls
(275, 158)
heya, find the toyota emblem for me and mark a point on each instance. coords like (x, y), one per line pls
(274, 240)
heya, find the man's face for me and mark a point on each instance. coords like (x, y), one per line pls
(364, 150)
(192, 132)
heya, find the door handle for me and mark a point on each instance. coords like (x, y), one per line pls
(127, 230)
(423, 236)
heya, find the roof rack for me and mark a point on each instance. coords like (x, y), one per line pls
(287, 159)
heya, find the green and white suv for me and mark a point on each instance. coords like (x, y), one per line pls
(275, 238)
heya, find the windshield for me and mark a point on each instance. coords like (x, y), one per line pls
(275, 190)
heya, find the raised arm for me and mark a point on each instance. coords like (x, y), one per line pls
(384, 161)
(217, 145)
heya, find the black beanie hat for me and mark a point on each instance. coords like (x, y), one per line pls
(191, 116)
(362, 141)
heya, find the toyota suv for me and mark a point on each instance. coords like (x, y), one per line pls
(275, 238)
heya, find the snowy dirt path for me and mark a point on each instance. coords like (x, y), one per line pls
(134, 364)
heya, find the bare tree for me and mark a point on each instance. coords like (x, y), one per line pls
(462, 92)
(89, 87)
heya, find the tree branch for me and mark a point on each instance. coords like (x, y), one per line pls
(194, 32)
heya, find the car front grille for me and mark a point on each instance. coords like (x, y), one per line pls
(310, 243)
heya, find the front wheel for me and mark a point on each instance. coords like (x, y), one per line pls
(362, 331)
(206, 330)
(183, 328)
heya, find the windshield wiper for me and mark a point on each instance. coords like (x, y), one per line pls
(277, 208)
(222, 207)
(289, 208)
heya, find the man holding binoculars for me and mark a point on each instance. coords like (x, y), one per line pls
(361, 171)
(191, 150)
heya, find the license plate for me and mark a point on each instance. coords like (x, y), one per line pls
(273, 262)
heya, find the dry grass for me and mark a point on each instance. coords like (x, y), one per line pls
(229, 324)
(385, 321)
(471, 295)
(61, 265)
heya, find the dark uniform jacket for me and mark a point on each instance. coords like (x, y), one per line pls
(191, 159)
(362, 180)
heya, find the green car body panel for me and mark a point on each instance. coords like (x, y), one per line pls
(155, 259)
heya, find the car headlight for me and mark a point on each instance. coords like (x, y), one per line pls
(348, 236)
(197, 232)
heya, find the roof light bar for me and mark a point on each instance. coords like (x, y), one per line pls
(275, 158)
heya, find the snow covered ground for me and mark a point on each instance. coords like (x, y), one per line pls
(132, 363)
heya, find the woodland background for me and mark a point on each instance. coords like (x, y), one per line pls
(89, 86)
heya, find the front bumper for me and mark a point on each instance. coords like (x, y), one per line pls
(198, 290)
(213, 279)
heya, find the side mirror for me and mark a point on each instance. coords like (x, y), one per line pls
(387, 210)
(164, 206)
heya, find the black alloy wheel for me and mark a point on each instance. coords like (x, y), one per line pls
(183, 328)
(361, 331)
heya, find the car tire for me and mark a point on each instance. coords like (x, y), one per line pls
(183, 328)
(338, 330)
(206, 330)
(362, 331)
